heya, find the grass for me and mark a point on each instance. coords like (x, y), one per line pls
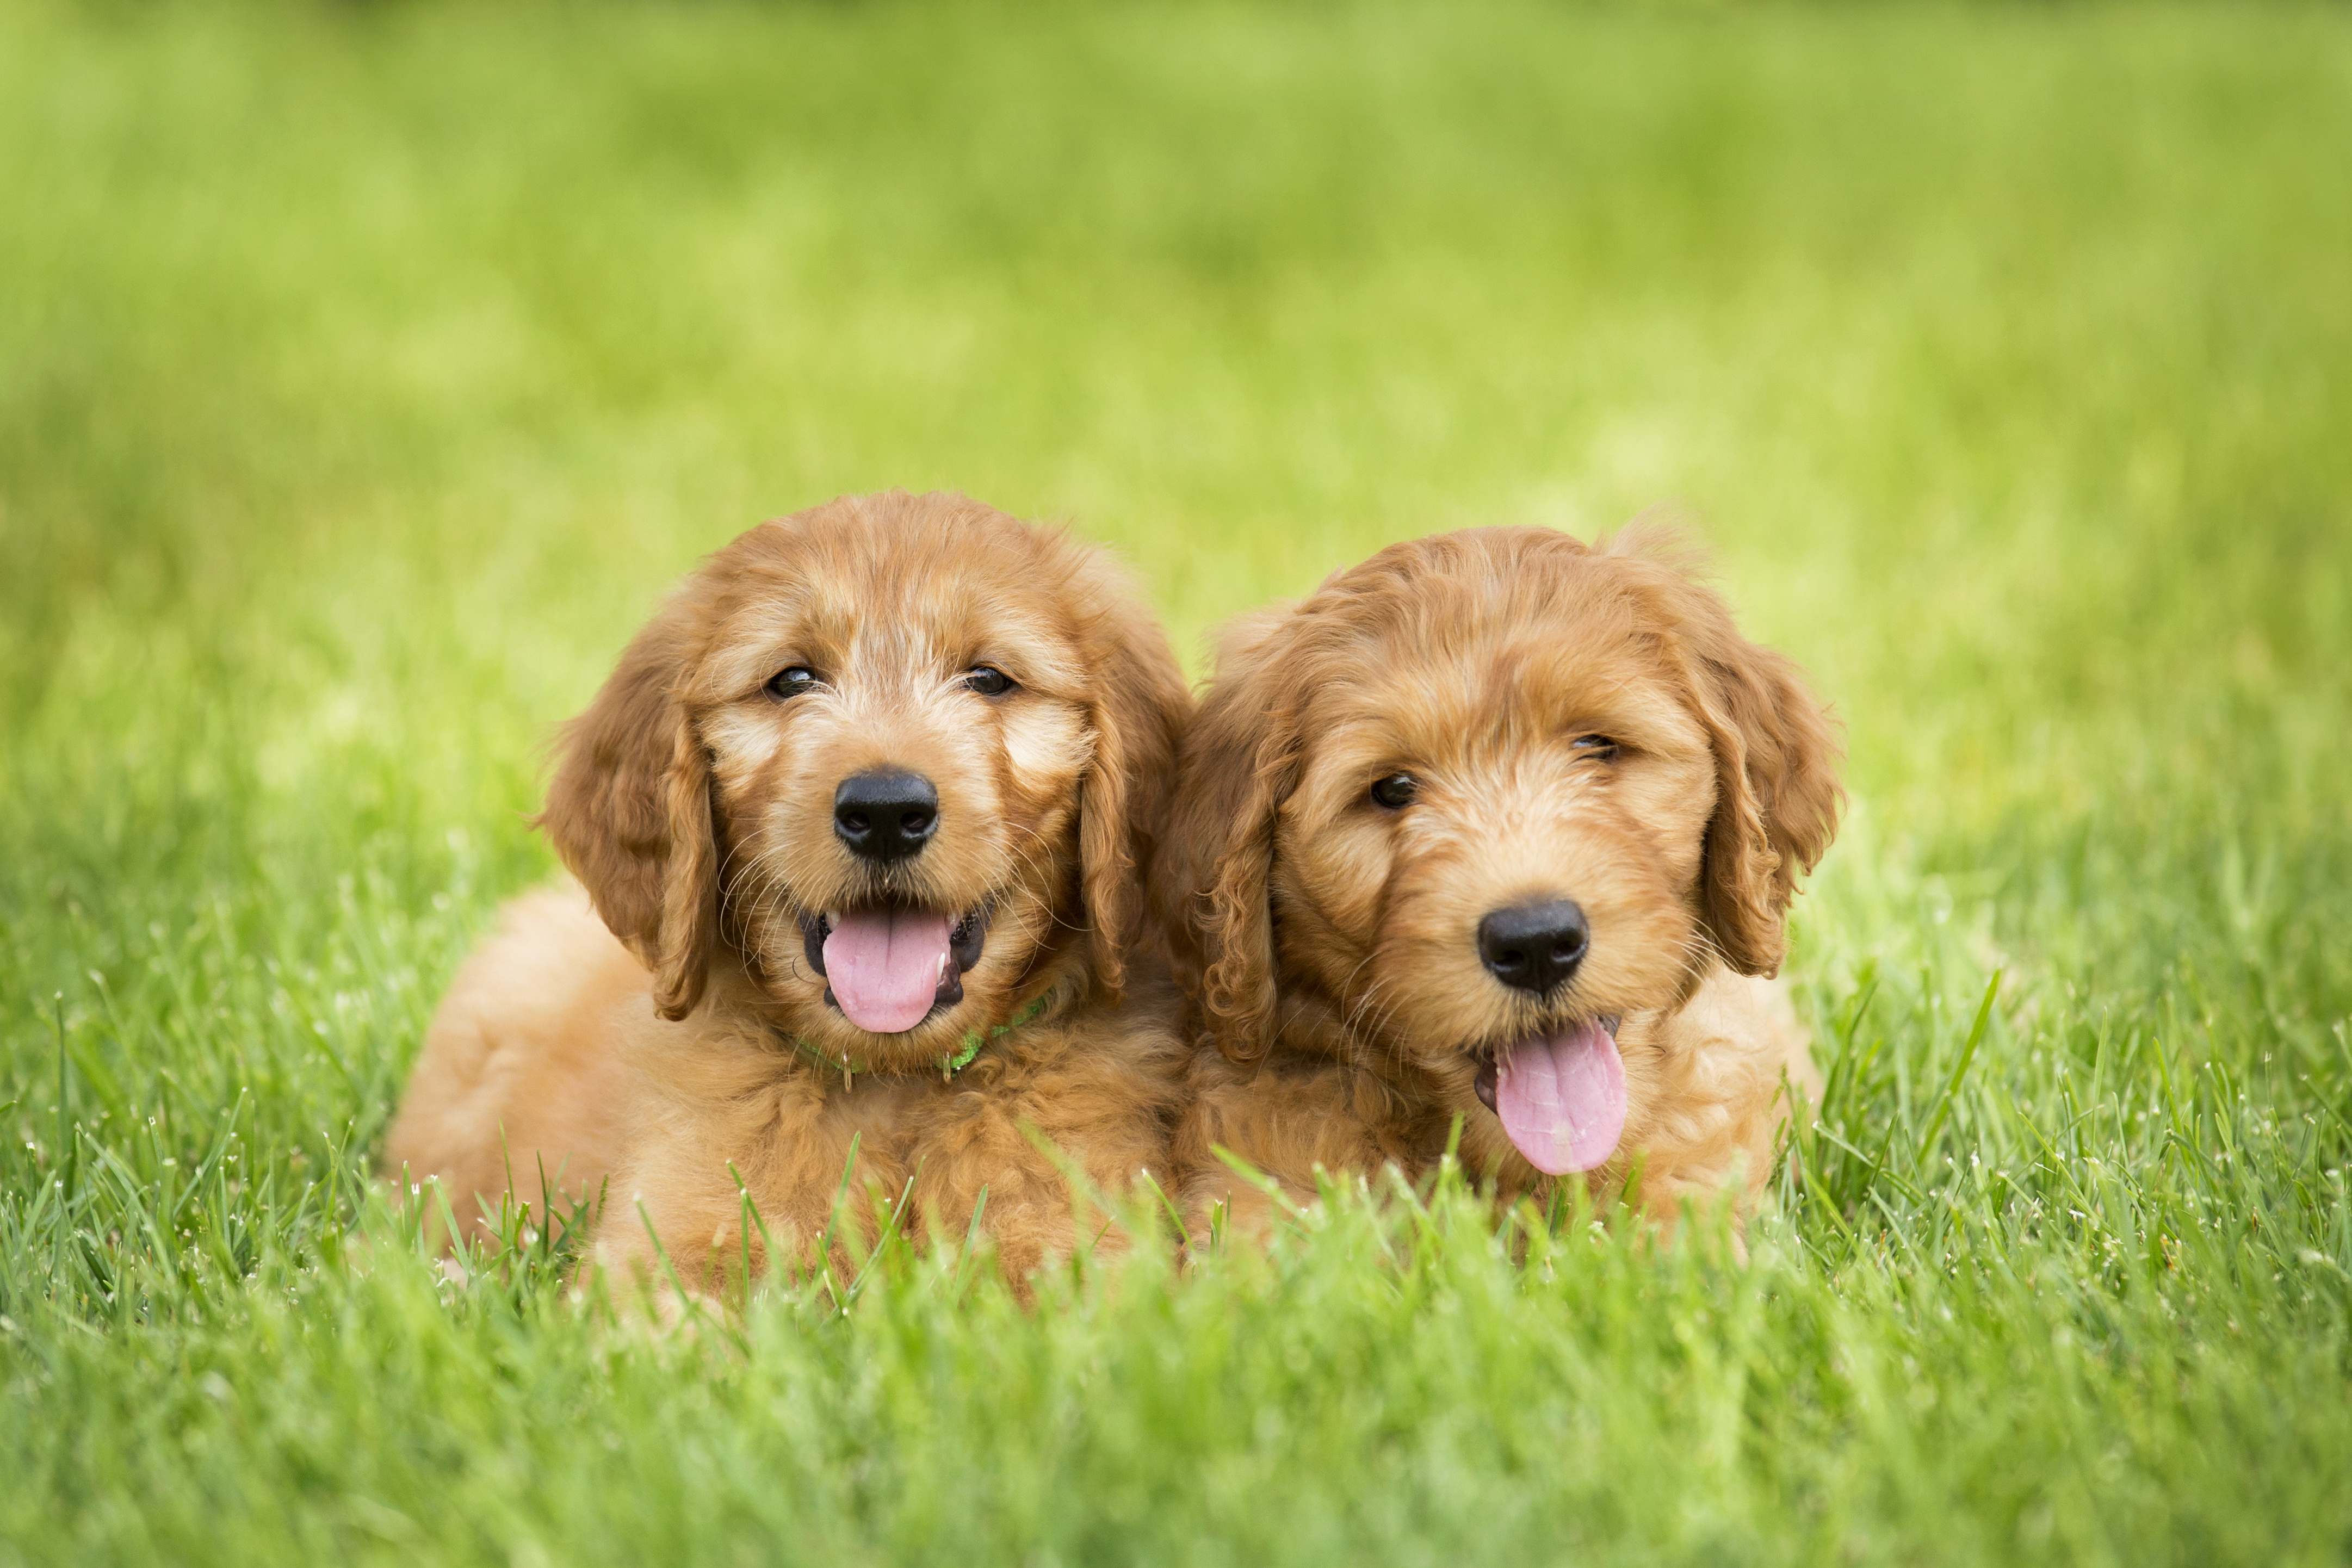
(364, 372)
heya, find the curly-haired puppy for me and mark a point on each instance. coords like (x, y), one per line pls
(861, 817)
(1493, 827)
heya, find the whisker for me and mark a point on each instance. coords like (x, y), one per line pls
(1036, 873)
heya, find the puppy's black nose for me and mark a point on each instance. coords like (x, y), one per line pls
(884, 816)
(1534, 947)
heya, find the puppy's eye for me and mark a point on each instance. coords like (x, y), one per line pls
(1598, 745)
(988, 681)
(791, 682)
(1395, 791)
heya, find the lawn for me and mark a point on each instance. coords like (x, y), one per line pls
(367, 370)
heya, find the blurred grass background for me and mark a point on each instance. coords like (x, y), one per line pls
(366, 372)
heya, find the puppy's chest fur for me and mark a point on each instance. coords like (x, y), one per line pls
(1090, 1090)
(1068, 1085)
(1708, 1072)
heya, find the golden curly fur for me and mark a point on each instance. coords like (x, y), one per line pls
(682, 1038)
(1577, 724)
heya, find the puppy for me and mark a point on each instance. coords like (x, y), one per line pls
(859, 822)
(1492, 827)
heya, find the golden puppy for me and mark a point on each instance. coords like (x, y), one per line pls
(1491, 827)
(862, 812)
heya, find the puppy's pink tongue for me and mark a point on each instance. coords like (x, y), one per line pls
(885, 967)
(1563, 1099)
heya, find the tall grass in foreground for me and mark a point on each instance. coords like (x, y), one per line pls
(362, 375)
(2030, 1352)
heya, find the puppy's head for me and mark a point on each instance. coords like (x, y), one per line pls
(896, 758)
(1484, 796)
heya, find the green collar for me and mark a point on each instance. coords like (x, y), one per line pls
(973, 1043)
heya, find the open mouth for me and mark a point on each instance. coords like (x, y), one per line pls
(1560, 1097)
(889, 969)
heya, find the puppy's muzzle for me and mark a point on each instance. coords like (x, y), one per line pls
(886, 816)
(1534, 948)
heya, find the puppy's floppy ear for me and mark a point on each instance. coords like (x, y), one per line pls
(1136, 710)
(1776, 794)
(1210, 879)
(630, 812)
